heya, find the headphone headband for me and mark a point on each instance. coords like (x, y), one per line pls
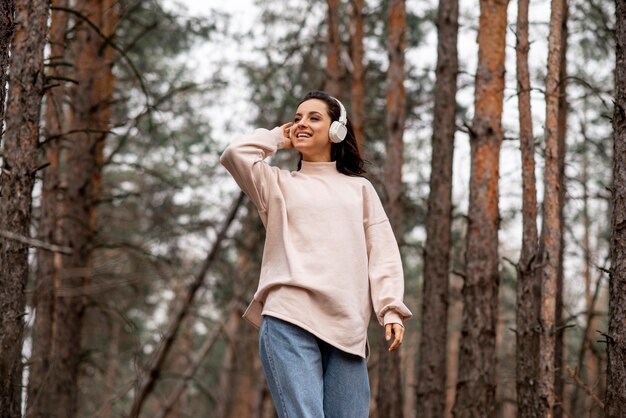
(343, 116)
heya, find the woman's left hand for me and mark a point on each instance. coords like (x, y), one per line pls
(398, 332)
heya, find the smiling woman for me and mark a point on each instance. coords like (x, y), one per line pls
(309, 131)
(330, 257)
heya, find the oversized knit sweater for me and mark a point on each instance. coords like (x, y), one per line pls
(330, 254)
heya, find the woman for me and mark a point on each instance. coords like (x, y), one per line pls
(330, 256)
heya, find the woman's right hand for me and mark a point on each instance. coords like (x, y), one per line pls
(286, 128)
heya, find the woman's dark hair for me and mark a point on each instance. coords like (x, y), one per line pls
(345, 153)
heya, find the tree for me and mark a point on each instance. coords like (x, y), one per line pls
(333, 51)
(16, 185)
(389, 396)
(358, 76)
(89, 124)
(561, 140)
(528, 287)
(7, 11)
(615, 403)
(587, 363)
(550, 239)
(242, 375)
(47, 273)
(432, 370)
(476, 384)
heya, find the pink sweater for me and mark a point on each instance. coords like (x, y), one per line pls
(330, 254)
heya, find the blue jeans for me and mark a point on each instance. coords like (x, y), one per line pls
(309, 378)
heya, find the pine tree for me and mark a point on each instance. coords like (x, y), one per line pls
(50, 208)
(357, 114)
(550, 239)
(615, 403)
(528, 287)
(432, 371)
(89, 122)
(389, 395)
(19, 167)
(333, 50)
(7, 12)
(476, 383)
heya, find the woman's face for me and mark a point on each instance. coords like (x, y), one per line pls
(309, 133)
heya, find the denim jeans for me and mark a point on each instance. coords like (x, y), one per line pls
(309, 378)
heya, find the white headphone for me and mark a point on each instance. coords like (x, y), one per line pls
(338, 130)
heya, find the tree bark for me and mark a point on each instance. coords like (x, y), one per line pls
(357, 114)
(389, 393)
(615, 403)
(528, 285)
(432, 370)
(16, 184)
(89, 121)
(7, 26)
(550, 240)
(455, 315)
(333, 54)
(562, 134)
(476, 383)
(48, 263)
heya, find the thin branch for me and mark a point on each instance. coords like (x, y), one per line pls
(460, 274)
(74, 131)
(583, 386)
(35, 243)
(149, 108)
(166, 343)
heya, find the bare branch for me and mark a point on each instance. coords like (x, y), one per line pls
(35, 243)
(584, 387)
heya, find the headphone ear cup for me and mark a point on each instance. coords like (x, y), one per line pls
(337, 132)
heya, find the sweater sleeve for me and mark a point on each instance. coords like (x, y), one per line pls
(244, 159)
(384, 263)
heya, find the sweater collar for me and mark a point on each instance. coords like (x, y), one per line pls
(308, 167)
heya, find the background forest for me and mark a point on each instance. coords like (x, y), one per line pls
(495, 132)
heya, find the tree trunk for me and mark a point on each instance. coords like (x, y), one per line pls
(586, 367)
(357, 114)
(242, 395)
(455, 317)
(180, 357)
(333, 54)
(528, 286)
(550, 240)
(389, 393)
(476, 385)
(16, 185)
(7, 26)
(47, 274)
(112, 367)
(432, 371)
(89, 122)
(562, 134)
(615, 403)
